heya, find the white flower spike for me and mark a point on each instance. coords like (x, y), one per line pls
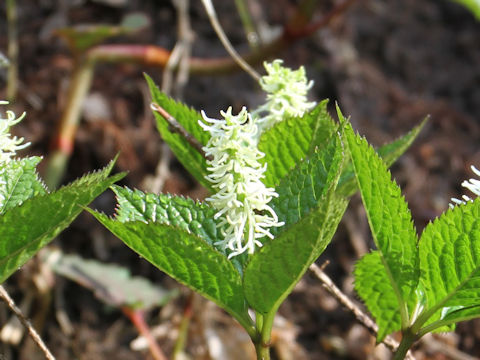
(235, 172)
(473, 185)
(286, 94)
(8, 144)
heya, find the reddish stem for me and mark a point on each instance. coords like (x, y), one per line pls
(138, 319)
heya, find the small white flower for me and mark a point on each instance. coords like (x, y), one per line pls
(286, 94)
(473, 185)
(235, 172)
(8, 144)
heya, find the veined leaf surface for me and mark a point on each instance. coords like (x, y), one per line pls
(389, 153)
(190, 158)
(25, 229)
(18, 182)
(187, 258)
(373, 286)
(294, 139)
(389, 218)
(450, 263)
(311, 210)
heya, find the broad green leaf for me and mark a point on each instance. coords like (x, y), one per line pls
(450, 317)
(193, 217)
(190, 158)
(389, 218)
(183, 213)
(450, 262)
(294, 139)
(18, 182)
(303, 189)
(27, 228)
(111, 283)
(389, 153)
(373, 286)
(186, 258)
(308, 205)
(472, 5)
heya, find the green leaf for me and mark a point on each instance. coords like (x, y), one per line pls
(389, 153)
(190, 158)
(113, 284)
(454, 315)
(311, 210)
(450, 263)
(27, 228)
(186, 214)
(19, 182)
(294, 139)
(389, 218)
(472, 5)
(186, 258)
(373, 286)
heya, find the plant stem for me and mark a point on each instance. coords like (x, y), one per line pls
(226, 43)
(63, 146)
(262, 344)
(137, 318)
(247, 23)
(407, 341)
(12, 77)
(183, 329)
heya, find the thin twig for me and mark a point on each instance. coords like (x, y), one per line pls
(363, 318)
(33, 333)
(226, 43)
(174, 126)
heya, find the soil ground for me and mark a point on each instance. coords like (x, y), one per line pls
(387, 63)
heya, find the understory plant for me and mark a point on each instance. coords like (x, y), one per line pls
(30, 215)
(412, 284)
(279, 183)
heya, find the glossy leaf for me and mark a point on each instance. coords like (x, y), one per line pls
(193, 217)
(18, 182)
(294, 139)
(190, 158)
(450, 263)
(389, 153)
(187, 258)
(373, 286)
(311, 210)
(389, 218)
(27, 228)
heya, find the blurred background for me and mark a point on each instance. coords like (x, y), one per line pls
(77, 70)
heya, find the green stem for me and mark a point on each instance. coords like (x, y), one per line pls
(247, 23)
(262, 344)
(407, 341)
(183, 330)
(63, 146)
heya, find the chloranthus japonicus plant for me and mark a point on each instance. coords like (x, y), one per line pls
(414, 284)
(279, 184)
(30, 215)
